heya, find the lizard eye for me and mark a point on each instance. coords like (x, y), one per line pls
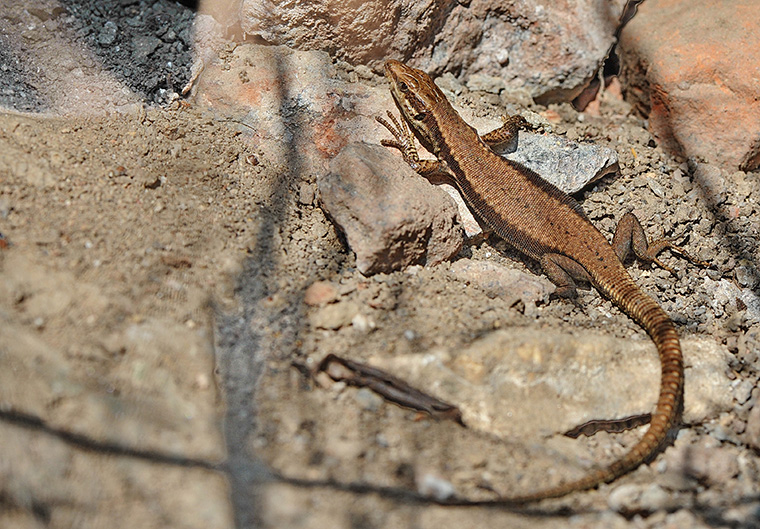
(420, 116)
(402, 86)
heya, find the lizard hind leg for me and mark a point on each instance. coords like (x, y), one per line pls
(563, 272)
(629, 235)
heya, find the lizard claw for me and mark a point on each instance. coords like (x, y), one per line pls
(403, 139)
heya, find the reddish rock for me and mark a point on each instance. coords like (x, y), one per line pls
(320, 293)
(692, 66)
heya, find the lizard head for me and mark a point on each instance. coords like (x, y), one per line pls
(416, 96)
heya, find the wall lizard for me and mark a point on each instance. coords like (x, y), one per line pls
(547, 225)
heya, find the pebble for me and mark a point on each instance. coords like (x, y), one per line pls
(363, 324)
(320, 293)
(631, 498)
(438, 488)
(334, 316)
(368, 400)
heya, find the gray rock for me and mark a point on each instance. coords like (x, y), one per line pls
(521, 383)
(391, 216)
(569, 165)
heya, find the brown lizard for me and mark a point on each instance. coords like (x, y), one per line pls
(547, 225)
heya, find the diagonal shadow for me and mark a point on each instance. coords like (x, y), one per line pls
(246, 340)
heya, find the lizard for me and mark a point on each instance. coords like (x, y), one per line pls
(547, 225)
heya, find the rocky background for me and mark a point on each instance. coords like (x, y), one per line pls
(195, 211)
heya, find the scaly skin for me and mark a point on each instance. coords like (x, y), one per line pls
(547, 225)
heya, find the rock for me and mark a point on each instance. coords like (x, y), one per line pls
(569, 165)
(499, 281)
(707, 461)
(518, 383)
(726, 292)
(633, 498)
(688, 73)
(320, 293)
(435, 487)
(287, 97)
(363, 324)
(709, 179)
(521, 44)
(391, 216)
(334, 316)
(143, 46)
(368, 400)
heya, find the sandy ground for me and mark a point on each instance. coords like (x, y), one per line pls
(153, 336)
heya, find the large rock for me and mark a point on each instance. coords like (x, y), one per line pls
(391, 216)
(692, 67)
(520, 383)
(550, 49)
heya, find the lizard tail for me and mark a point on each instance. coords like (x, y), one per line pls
(647, 313)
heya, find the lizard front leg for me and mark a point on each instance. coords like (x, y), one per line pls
(507, 133)
(434, 170)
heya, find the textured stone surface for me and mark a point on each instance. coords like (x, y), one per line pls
(498, 280)
(691, 66)
(569, 165)
(568, 380)
(392, 218)
(551, 49)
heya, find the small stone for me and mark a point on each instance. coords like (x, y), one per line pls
(107, 34)
(710, 179)
(306, 194)
(320, 293)
(144, 45)
(368, 400)
(438, 488)
(632, 498)
(363, 323)
(333, 316)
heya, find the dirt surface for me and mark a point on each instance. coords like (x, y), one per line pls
(154, 261)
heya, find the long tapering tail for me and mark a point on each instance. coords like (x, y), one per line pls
(647, 313)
